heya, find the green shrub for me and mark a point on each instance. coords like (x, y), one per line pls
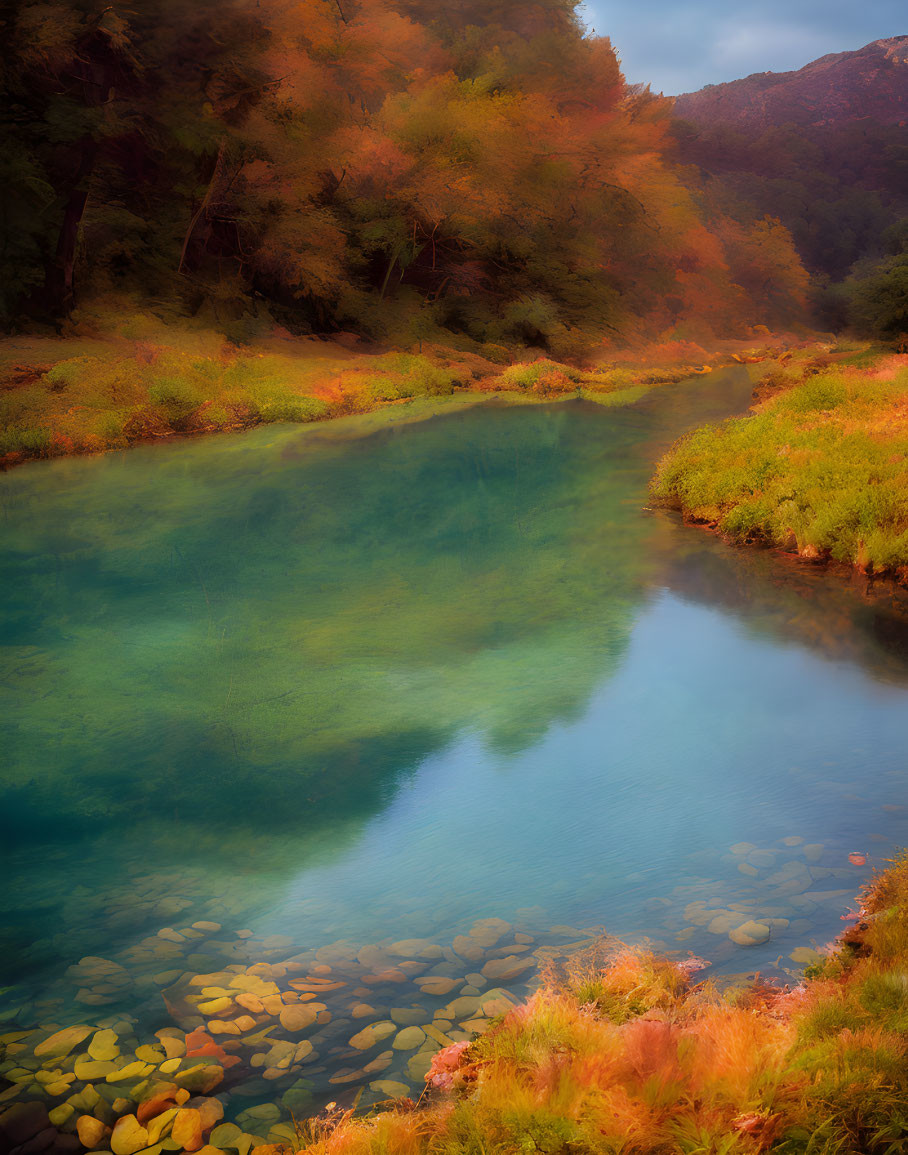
(32, 442)
(291, 407)
(174, 398)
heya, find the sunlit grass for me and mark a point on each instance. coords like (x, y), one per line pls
(133, 377)
(820, 468)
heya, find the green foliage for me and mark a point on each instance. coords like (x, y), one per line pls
(399, 375)
(32, 442)
(539, 375)
(175, 398)
(877, 298)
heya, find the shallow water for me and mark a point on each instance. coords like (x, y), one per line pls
(369, 682)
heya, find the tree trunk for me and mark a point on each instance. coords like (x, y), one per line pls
(59, 280)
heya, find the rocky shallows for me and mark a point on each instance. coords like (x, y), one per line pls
(201, 1038)
(250, 1046)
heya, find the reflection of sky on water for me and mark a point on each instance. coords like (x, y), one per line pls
(704, 737)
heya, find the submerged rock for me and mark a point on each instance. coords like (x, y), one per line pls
(750, 934)
(62, 1042)
(507, 968)
(372, 1035)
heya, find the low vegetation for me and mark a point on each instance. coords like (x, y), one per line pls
(136, 378)
(635, 1055)
(820, 467)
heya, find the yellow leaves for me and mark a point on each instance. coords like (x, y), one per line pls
(304, 251)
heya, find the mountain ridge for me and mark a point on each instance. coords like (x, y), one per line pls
(868, 82)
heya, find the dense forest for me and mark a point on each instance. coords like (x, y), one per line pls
(387, 166)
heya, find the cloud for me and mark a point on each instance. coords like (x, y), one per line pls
(678, 47)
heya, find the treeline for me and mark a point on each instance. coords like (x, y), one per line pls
(840, 189)
(391, 166)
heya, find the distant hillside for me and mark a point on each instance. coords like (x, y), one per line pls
(824, 149)
(844, 86)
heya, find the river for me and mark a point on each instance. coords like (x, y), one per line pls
(324, 689)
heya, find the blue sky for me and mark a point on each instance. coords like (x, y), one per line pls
(680, 45)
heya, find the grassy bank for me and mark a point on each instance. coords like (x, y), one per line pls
(139, 379)
(820, 468)
(636, 1056)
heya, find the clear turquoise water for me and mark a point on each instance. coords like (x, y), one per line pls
(370, 681)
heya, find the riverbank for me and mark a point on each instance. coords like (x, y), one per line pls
(618, 1048)
(818, 470)
(142, 381)
(638, 1055)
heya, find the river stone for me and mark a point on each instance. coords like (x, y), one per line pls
(136, 1070)
(409, 1039)
(414, 948)
(489, 931)
(223, 1027)
(746, 868)
(103, 1046)
(211, 1111)
(389, 1088)
(298, 1016)
(90, 1131)
(436, 984)
(202, 925)
(505, 969)
(225, 1135)
(805, 956)
(363, 1011)
(761, 858)
(462, 1007)
(201, 1079)
(792, 840)
(87, 1070)
(724, 922)
(62, 1114)
(433, 1031)
(128, 1137)
(468, 948)
(496, 997)
(380, 1063)
(791, 874)
(86, 1099)
(250, 1002)
(60, 1044)
(372, 1034)
(750, 934)
(741, 848)
(419, 1064)
(187, 1129)
(407, 1016)
(375, 958)
(254, 985)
